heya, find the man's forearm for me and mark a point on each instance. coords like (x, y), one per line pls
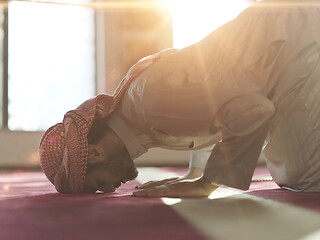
(245, 122)
(199, 158)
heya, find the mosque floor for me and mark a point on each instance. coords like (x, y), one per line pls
(30, 208)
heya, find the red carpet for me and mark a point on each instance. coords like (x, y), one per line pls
(31, 209)
(270, 190)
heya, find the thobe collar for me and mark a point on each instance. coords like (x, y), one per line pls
(126, 134)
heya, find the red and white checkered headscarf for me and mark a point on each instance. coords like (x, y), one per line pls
(64, 147)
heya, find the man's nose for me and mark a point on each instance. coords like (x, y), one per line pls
(132, 173)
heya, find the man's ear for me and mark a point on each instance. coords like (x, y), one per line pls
(96, 154)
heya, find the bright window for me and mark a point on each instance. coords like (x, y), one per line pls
(51, 62)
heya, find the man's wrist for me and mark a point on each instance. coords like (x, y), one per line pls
(209, 186)
(194, 173)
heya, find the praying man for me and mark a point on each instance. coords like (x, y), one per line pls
(250, 86)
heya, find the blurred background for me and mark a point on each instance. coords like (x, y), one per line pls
(56, 54)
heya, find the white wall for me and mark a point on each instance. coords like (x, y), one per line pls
(20, 149)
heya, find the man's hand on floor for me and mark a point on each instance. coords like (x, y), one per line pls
(182, 189)
(192, 174)
(159, 182)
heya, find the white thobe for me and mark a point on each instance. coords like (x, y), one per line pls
(226, 89)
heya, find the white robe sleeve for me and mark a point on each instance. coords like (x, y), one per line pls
(199, 158)
(244, 125)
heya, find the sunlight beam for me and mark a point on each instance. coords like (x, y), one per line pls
(195, 19)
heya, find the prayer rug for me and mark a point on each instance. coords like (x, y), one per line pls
(269, 190)
(30, 208)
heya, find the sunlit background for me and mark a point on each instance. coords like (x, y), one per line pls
(52, 53)
(51, 62)
(195, 19)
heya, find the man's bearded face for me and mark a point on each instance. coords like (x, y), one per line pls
(109, 162)
(107, 176)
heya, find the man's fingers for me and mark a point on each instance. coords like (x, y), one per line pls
(154, 183)
(190, 189)
(150, 184)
